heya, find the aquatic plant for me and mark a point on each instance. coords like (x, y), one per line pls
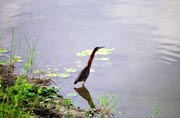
(31, 51)
(71, 70)
(103, 51)
(155, 112)
(2, 61)
(107, 105)
(1, 34)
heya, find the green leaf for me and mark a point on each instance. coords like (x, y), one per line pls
(71, 94)
(103, 51)
(84, 53)
(71, 70)
(31, 94)
(64, 75)
(156, 111)
(2, 50)
(17, 59)
(52, 75)
(2, 62)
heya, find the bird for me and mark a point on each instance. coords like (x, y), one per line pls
(83, 75)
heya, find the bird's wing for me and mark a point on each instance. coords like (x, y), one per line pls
(83, 75)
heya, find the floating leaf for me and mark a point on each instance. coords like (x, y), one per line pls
(2, 62)
(2, 50)
(52, 75)
(103, 51)
(71, 94)
(71, 70)
(64, 75)
(17, 59)
(84, 53)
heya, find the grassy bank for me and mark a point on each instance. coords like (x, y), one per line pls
(28, 95)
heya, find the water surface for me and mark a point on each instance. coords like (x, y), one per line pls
(145, 69)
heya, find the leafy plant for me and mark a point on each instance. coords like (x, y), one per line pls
(108, 104)
(67, 102)
(15, 98)
(155, 112)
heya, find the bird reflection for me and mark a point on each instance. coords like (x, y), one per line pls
(84, 93)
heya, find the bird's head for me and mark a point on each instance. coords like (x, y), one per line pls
(97, 48)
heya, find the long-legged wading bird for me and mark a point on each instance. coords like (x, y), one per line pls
(83, 75)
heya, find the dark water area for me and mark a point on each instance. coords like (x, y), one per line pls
(145, 69)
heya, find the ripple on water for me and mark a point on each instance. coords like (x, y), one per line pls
(169, 53)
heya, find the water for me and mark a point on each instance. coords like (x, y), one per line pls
(145, 67)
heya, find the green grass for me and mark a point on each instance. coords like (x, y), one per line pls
(19, 100)
(107, 104)
(31, 51)
(1, 34)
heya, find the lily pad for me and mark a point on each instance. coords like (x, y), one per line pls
(103, 51)
(84, 53)
(64, 75)
(52, 75)
(17, 59)
(71, 94)
(2, 50)
(2, 62)
(71, 70)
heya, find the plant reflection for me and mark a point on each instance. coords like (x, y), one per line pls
(84, 93)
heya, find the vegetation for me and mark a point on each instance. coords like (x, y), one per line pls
(27, 95)
(107, 104)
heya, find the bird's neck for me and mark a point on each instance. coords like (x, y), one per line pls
(91, 59)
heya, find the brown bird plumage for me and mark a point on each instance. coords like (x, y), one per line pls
(83, 75)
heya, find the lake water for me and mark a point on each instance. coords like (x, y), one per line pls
(145, 69)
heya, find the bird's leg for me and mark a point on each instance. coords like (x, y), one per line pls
(83, 83)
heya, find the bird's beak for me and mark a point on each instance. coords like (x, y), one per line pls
(101, 47)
